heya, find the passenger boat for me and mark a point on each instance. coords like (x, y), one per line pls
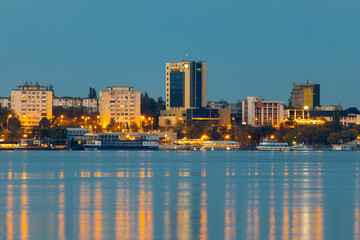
(301, 147)
(272, 145)
(118, 141)
(220, 146)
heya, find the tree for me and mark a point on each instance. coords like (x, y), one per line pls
(92, 93)
(194, 131)
(335, 124)
(111, 126)
(334, 137)
(134, 127)
(58, 132)
(180, 129)
(44, 123)
(14, 130)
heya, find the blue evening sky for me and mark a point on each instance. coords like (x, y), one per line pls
(253, 47)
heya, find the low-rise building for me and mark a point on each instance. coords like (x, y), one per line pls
(348, 117)
(258, 112)
(204, 116)
(90, 104)
(328, 108)
(5, 102)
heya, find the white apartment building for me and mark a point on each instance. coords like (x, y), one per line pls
(122, 104)
(90, 104)
(257, 112)
(5, 102)
(67, 102)
(32, 103)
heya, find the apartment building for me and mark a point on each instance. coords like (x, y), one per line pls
(122, 104)
(31, 103)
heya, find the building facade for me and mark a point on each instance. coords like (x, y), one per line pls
(305, 95)
(91, 105)
(203, 116)
(257, 112)
(328, 108)
(5, 102)
(31, 103)
(122, 104)
(185, 85)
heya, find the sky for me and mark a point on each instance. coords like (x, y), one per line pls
(252, 47)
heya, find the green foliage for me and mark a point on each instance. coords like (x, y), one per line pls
(134, 127)
(13, 131)
(180, 129)
(194, 131)
(58, 132)
(213, 133)
(151, 108)
(334, 137)
(92, 93)
(335, 124)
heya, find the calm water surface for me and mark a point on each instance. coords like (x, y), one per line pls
(179, 195)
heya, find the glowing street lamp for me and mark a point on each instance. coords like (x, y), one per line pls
(61, 119)
(85, 118)
(141, 120)
(7, 122)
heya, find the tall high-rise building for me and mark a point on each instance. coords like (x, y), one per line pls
(31, 103)
(305, 95)
(122, 104)
(185, 85)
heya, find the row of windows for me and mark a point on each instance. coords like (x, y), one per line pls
(122, 101)
(32, 110)
(122, 114)
(34, 93)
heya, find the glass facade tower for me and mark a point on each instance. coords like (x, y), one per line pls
(185, 85)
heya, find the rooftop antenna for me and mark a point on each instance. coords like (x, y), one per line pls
(307, 81)
(200, 59)
(293, 81)
(182, 58)
(187, 56)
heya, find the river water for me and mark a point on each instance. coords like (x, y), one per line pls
(179, 195)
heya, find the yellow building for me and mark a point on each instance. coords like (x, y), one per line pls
(185, 85)
(122, 104)
(31, 103)
(305, 96)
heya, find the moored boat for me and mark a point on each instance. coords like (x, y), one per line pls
(272, 145)
(119, 141)
(301, 147)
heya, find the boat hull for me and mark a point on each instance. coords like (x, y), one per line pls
(272, 148)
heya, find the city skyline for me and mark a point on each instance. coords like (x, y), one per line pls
(252, 49)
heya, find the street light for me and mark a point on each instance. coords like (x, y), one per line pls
(152, 123)
(141, 120)
(7, 122)
(61, 119)
(85, 118)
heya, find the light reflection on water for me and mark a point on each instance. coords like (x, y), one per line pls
(179, 195)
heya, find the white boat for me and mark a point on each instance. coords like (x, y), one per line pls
(301, 147)
(272, 145)
(341, 147)
(220, 146)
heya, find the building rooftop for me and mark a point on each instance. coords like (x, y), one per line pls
(120, 87)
